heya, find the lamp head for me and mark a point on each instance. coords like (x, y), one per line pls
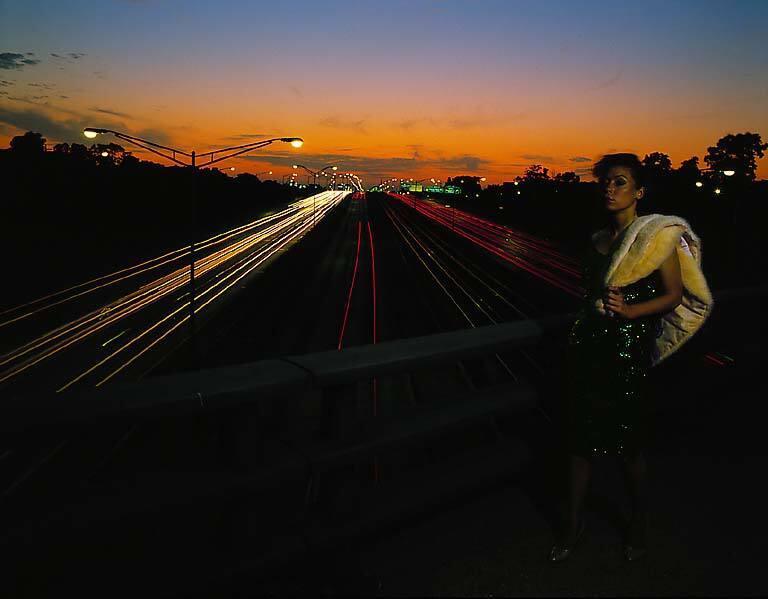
(296, 142)
(729, 173)
(91, 132)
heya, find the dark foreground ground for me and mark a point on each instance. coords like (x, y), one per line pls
(707, 529)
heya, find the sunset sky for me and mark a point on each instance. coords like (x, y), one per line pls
(398, 88)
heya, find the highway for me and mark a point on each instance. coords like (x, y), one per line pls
(386, 267)
(107, 328)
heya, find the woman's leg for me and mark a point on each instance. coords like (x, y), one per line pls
(636, 476)
(580, 470)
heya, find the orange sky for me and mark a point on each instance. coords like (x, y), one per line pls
(448, 91)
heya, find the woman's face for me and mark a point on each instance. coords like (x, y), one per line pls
(618, 189)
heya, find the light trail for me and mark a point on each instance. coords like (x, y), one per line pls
(137, 269)
(524, 251)
(476, 300)
(351, 286)
(220, 262)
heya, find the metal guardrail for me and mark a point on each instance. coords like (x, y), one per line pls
(245, 384)
(220, 388)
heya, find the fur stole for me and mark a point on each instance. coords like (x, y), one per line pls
(646, 244)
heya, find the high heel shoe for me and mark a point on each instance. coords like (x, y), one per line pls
(636, 547)
(562, 551)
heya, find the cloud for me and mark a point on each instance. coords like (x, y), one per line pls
(369, 166)
(15, 61)
(69, 129)
(539, 157)
(155, 135)
(335, 122)
(112, 112)
(296, 91)
(4, 83)
(68, 57)
(100, 74)
(34, 120)
(42, 85)
(470, 163)
(580, 159)
(247, 137)
(409, 124)
(583, 170)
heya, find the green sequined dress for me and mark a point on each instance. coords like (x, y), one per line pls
(607, 368)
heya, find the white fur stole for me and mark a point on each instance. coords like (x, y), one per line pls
(646, 244)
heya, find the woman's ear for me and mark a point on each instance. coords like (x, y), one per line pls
(640, 193)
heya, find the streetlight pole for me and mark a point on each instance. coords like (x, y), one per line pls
(314, 183)
(170, 154)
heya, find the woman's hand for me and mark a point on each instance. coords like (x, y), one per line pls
(613, 302)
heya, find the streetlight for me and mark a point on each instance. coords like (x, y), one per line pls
(315, 173)
(314, 182)
(726, 172)
(160, 150)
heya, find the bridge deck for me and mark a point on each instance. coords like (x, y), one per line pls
(707, 529)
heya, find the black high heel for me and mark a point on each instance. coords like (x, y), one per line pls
(562, 551)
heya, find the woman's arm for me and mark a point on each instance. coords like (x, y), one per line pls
(672, 283)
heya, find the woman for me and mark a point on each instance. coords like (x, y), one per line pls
(640, 307)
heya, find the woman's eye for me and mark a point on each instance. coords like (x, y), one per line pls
(620, 182)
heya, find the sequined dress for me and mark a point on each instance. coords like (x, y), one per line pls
(607, 368)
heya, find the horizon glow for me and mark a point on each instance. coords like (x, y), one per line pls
(418, 89)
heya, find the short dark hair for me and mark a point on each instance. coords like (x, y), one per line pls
(630, 161)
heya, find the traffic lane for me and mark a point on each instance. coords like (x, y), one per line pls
(291, 307)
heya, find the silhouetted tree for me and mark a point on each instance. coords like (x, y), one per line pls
(689, 169)
(536, 173)
(62, 148)
(79, 152)
(114, 153)
(129, 161)
(566, 177)
(657, 165)
(29, 144)
(737, 152)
